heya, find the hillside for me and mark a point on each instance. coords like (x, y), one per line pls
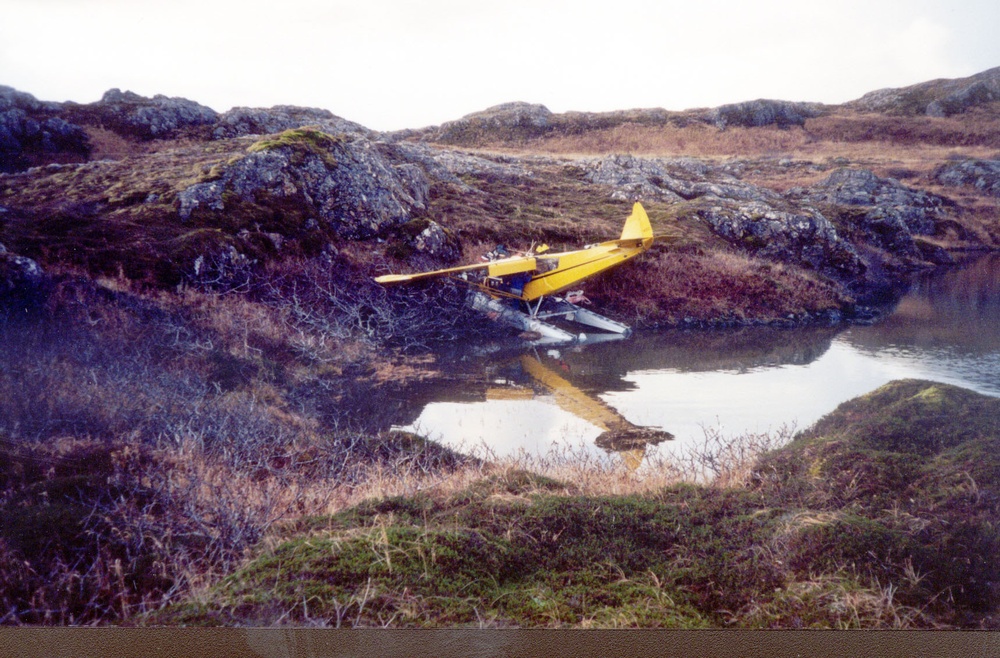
(846, 199)
(197, 368)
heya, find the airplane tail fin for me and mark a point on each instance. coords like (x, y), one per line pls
(637, 226)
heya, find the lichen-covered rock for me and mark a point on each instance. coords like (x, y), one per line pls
(342, 180)
(751, 114)
(804, 237)
(449, 166)
(984, 175)
(201, 195)
(752, 218)
(888, 213)
(242, 121)
(30, 132)
(431, 239)
(132, 115)
(635, 179)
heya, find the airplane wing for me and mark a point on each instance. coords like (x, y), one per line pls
(559, 271)
(502, 267)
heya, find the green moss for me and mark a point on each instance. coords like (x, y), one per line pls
(670, 560)
(853, 543)
(302, 141)
(913, 416)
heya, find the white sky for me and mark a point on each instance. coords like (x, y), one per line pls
(391, 64)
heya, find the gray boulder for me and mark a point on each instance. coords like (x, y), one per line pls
(984, 175)
(132, 115)
(762, 112)
(241, 121)
(21, 281)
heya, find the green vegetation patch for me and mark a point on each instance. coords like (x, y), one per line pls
(302, 141)
(913, 417)
(670, 560)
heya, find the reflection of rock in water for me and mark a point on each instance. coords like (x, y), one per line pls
(631, 437)
(959, 308)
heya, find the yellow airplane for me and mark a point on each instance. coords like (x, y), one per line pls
(531, 280)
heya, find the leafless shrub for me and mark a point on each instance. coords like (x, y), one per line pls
(728, 461)
(328, 301)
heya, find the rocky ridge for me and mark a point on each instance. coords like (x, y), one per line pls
(30, 130)
(283, 178)
(132, 115)
(936, 98)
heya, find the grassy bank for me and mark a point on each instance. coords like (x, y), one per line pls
(880, 517)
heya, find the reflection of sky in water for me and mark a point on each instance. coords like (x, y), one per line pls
(755, 400)
(959, 346)
(761, 399)
(506, 427)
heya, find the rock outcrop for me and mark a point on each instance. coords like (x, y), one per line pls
(752, 218)
(343, 180)
(673, 179)
(242, 121)
(31, 130)
(983, 175)
(20, 282)
(936, 98)
(882, 210)
(802, 236)
(762, 112)
(136, 116)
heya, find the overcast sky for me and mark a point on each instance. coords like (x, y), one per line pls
(392, 64)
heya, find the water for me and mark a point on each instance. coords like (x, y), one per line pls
(947, 329)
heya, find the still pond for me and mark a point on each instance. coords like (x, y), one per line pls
(946, 328)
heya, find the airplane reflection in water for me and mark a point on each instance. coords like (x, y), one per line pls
(534, 378)
(748, 380)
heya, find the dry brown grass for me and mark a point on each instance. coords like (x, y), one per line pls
(681, 287)
(700, 140)
(877, 140)
(109, 145)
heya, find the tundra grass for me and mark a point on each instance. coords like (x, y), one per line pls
(912, 544)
